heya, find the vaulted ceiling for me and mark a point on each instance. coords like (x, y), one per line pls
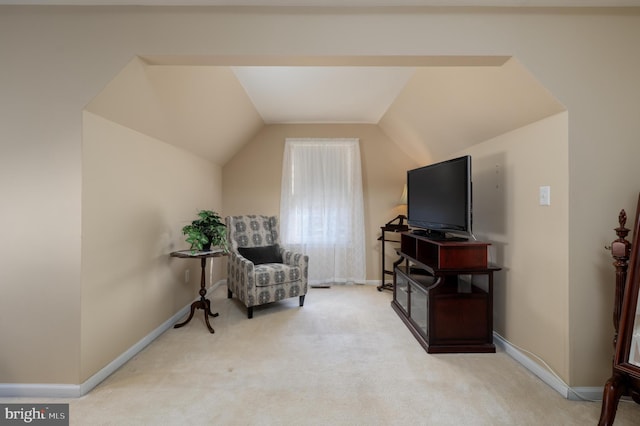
(431, 107)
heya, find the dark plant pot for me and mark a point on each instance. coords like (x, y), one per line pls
(206, 247)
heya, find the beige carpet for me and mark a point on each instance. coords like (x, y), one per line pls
(345, 358)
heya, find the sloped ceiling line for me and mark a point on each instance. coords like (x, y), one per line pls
(430, 112)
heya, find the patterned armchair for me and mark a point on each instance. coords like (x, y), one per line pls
(259, 271)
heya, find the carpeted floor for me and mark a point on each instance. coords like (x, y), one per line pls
(345, 358)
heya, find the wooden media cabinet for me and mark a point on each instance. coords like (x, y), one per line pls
(443, 292)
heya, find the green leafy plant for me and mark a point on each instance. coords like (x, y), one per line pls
(206, 231)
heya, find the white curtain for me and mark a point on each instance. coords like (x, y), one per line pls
(321, 207)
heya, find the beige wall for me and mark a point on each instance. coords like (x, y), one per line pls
(252, 179)
(137, 194)
(531, 298)
(55, 60)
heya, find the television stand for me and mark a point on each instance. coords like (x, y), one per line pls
(436, 297)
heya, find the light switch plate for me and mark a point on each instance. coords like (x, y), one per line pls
(545, 195)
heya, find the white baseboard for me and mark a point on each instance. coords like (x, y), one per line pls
(548, 377)
(45, 390)
(583, 393)
(27, 390)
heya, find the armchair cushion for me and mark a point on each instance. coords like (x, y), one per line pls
(277, 274)
(262, 254)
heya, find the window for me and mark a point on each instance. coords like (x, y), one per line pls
(322, 207)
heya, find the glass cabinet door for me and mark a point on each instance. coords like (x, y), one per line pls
(419, 307)
(402, 290)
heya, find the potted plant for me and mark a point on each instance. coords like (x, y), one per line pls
(206, 231)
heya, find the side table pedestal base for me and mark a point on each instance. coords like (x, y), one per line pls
(204, 304)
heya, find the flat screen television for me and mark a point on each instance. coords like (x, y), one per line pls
(439, 199)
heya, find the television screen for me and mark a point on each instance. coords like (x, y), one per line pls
(439, 197)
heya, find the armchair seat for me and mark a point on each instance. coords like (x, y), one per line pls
(276, 274)
(273, 274)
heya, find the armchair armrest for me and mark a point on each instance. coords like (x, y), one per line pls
(241, 261)
(292, 258)
(241, 270)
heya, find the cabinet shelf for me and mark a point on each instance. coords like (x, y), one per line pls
(436, 297)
